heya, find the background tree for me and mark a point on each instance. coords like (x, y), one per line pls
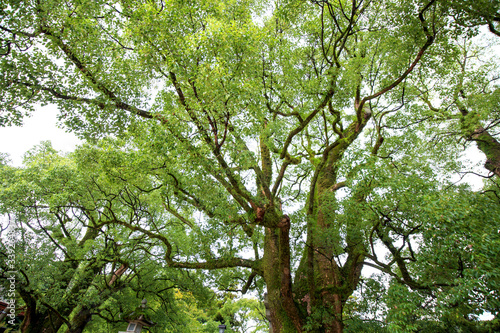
(71, 260)
(265, 128)
(76, 264)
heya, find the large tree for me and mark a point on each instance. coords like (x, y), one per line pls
(72, 261)
(270, 130)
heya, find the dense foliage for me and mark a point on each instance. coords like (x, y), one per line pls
(279, 145)
(75, 264)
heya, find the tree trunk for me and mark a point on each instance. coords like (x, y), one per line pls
(41, 323)
(36, 321)
(80, 320)
(284, 314)
(51, 319)
(484, 140)
(331, 287)
(490, 147)
(323, 283)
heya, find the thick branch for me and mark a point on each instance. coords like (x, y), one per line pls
(90, 76)
(306, 122)
(237, 188)
(217, 264)
(149, 233)
(429, 41)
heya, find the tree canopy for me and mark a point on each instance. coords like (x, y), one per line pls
(281, 145)
(75, 262)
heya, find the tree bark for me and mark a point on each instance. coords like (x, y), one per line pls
(45, 322)
(284, 314)
(323, 283)
(36, 321)
(490, 147)
(80, 320)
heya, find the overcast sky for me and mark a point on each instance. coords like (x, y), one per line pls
(41, 126)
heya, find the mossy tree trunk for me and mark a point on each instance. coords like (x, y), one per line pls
(490, 147)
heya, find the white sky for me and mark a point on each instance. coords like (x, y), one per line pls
(39, 127)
